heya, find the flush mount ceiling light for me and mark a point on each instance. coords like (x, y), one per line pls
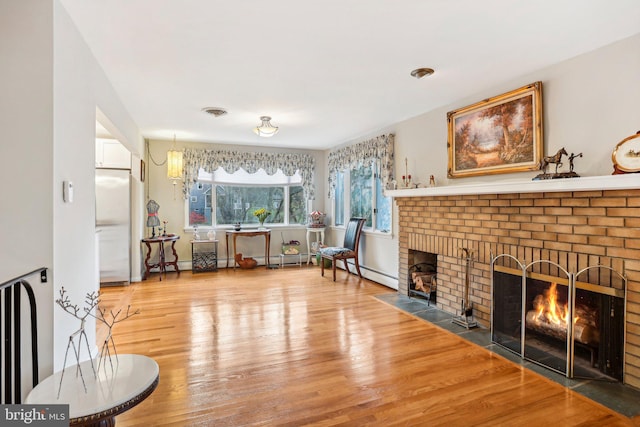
(266, 129)
(419, 73)
(215, 111)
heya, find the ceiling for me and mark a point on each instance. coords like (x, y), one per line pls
(326, 72)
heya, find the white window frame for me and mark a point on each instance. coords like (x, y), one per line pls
(286, 183)
(347, 205)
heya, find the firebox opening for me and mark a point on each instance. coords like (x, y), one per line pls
(422, 275)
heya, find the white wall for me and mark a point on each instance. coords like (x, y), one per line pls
(51, 85)
(26, 120)
(590, 103)
(79, 87)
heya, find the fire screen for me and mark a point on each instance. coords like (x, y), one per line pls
(571, 326)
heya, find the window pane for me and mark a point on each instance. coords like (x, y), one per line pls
(297, 206)
(237, 204)
(383, 209)
(200, 204)
(362, 193)
(339, 199)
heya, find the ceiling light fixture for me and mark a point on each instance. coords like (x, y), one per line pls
(215, 111)
(419, 73)
(266, 129)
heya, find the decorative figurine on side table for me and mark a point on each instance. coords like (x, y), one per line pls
(152, 216)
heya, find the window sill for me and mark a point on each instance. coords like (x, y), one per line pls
(377, 234)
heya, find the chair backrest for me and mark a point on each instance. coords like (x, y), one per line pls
(352, 233)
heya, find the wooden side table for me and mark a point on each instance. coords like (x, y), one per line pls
(316, 231)
(248, 233)
(162, 262)
(115, 390)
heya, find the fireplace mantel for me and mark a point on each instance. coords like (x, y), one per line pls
(590, 183)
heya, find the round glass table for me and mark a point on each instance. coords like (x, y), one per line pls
(120, 385)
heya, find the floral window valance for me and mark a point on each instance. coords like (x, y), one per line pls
(379, 149)
(231, 161)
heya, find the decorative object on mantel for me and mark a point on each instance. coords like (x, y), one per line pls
(466, 310)
(432, 181)
(502, 134)
(556, 159)
(406, 178)
(626, 155)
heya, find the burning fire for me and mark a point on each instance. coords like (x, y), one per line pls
(550, 318)
(547, 308)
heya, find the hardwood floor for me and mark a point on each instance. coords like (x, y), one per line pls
(290, 348)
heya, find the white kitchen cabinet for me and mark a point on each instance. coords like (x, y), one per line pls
(110, 153)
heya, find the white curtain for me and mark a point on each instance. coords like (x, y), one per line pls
(231, 161)
(379, 149)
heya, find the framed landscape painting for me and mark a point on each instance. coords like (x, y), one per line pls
(502, 134)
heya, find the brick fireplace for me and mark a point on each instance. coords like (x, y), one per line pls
(574, 229)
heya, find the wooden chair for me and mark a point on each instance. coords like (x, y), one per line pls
(349, 249)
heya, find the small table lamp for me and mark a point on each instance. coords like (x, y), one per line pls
(152, 216)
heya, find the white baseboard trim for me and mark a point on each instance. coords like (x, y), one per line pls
(370, 274)
(385, 280)
(374, 276)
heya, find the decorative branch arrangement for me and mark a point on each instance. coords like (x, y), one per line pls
(102, 317)
(92, 301)
(109, 318)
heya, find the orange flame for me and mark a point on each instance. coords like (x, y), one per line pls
(549, 310)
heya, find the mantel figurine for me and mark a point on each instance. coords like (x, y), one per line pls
(556, 160)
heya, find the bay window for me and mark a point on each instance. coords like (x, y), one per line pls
(222, 198)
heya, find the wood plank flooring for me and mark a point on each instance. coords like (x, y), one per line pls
(290, 348)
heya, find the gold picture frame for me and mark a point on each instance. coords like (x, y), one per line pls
(502, 134)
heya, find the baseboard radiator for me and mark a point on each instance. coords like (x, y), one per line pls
(13, 332)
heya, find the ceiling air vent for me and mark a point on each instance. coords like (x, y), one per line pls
(215, 111)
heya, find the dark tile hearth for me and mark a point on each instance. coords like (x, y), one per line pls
(618, 397)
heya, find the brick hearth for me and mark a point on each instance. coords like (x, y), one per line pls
(574, 229)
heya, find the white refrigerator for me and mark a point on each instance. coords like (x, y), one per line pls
(113, 223)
